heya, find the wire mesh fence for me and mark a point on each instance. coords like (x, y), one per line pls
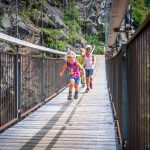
(38, 80)
(7, 88)
(138, 55)
(128, 76)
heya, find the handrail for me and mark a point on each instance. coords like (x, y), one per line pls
(120, 49)
(123, 46)
(146, 22)
(12, 40)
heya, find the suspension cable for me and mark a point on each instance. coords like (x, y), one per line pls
(43, 44)
(18, 94)
(17, 29)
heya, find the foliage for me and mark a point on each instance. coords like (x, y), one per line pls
(56, 44)
(26, 14)
(95, 40)
(72, 19)
(71, 14)
(1, 17)
(140, 10)
(50, 37)
(74, 37)
(147, 3)
(99, 49)
(11, 50)
(73, 26)
(86, 26)
(53, 33)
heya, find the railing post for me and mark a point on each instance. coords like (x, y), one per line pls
(18, 84)
(57, 77)
(124, 101)
(42, 80)
(123, 106)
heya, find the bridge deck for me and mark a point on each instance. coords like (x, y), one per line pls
(86, 123)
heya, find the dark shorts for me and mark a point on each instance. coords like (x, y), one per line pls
(76, 80)
(88, 72)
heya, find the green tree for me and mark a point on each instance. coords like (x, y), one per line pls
(147, 3)
(140, 10)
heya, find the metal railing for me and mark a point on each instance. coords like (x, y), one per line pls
(128, 75)
(37, 78)
(116, 69)
(7, 88)
(138, 55)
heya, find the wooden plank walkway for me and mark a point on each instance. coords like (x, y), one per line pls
(86, 123)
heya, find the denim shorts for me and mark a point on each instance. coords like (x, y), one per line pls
(76, 80)
(88, 72)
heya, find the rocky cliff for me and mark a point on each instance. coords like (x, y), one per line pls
(58, 24)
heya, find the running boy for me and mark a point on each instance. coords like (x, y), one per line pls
(80, 59)
(74, 74)
(89, 61)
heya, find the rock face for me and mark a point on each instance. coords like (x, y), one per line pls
(6, 22)
(54, 14)
(23, 28)
(92, 12)
(49, 14)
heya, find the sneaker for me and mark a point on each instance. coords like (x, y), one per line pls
(87, 90)
(76, 95)
(82, 81)
(83, 85)
(70, 96)
(91, 86)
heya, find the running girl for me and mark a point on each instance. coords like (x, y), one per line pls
(89, 61)
(74, 74)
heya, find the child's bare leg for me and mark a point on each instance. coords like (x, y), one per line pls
(91, 82)
(91, 79)
(71, 85)
(87, 82)
(82, 80)
(76, 86)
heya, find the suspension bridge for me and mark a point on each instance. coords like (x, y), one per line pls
(114, 115)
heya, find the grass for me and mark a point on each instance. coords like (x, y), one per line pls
(51, 39)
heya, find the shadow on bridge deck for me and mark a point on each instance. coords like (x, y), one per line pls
(86, 123)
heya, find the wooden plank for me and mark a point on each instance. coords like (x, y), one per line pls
(86, 123)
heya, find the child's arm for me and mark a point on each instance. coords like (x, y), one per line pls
(81, 69)
(92, 59)
(63, 70)
(82, 60)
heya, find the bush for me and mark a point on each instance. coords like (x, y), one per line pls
(71, 14)
(99, 50)
(73, 26)
(139, 11)
(72, 19)
(95, 40)
(51, 41)
(57, 44)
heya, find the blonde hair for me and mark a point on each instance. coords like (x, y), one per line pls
(82, 49)
(71, 54)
